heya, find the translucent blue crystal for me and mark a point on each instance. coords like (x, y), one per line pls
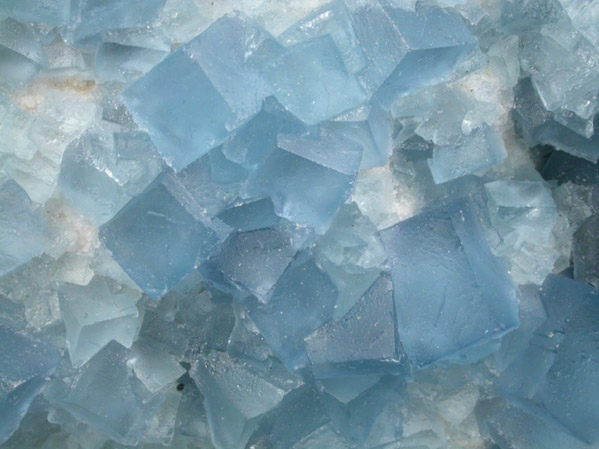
(116, 62)
(482, 149)
(203, 103)
(406, 49)
(301, 301)
(50, 12)
(90, 18)
(308, 178)
(569, 390)
(21, 55)
(332, 19)
(106, 395)
(160, 219)
(447, 244)
(311, 80)
(114, 318)
(24, 233)
(236, 395)
(25, 365)
(364, 341)
(101, 171)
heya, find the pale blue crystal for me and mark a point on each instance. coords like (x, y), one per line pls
(49, 12)
(203, 103)
(472, 300)
(90, 18)
(101, 171)
(25, 365)
(364, 341)
(569, 391)
(24, 233)
(236, 395)
(21, 55)
(311, 81)
(482, 149)
(407, 49)
(94, 316)
(158, 220)
(301, 301)
(123, 63)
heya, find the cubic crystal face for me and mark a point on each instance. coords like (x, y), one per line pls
(447, 245)
(158, 224)
(311, 81)
(24, 233)
(569, 388)
(25, 365)
(199, 111)
(364, 341)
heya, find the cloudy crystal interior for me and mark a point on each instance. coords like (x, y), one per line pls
(299, 224)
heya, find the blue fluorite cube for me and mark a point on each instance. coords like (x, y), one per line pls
(301, 301)
(23, 231)
(193, 99)
(407, 48)
(25, 365)
(311, 80)
(450, 293)
(364, 341)
(307, 177)
(569, 392)
(89, 18)
(160, 236)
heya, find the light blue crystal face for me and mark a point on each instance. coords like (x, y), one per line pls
(114, 317)
(307, 178)
(406, 49)
(160, 219)
(255, 260)
(351, 253)
(101, 171)
(311, 81)
(203, 104)
(569, 389)
(89, 18)
(472, 299)
(24, 233)
(107, 395)
(21, 55)
(373, 418)
(25, 365)
(331, 19)
(364, 341)
(482, 149)
(50, 12)
(302, 300)
(116, 62)
(236, 395)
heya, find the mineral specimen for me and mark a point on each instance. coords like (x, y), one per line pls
(256, 224)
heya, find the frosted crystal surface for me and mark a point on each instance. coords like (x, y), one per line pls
(26, 365)
(447, 244)
(94, 316)
(299, 224)
(363, 341)
(24, 231)
(176, 123)
(156, 220)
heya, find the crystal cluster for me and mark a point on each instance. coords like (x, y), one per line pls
(290, 224)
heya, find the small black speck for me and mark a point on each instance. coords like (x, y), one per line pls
(180, 387)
